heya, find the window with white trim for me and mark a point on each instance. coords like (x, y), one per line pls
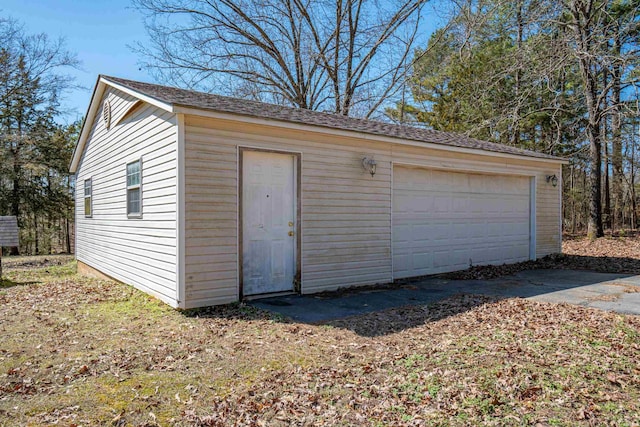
(134, 189)
(88, 189)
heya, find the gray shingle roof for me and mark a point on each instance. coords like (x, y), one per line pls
(223, 104)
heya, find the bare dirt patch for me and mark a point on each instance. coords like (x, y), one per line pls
(80, 351)
(36, 261)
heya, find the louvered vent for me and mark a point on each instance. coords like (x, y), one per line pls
(106, 113)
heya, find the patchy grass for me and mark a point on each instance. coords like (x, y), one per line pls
(81, 351)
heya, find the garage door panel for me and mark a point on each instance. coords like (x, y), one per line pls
(520, 251)
(443, 221)
(515, 229)
(522, 209)
(422, 259)
(402, 234)
(478, 186)
(402, 260)
(441, 205)
(460, 204)
(434, 232)
(446, 261)
(482, 256)
(419, 234)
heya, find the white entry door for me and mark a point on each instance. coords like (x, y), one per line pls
(446, 221)
(268, 221)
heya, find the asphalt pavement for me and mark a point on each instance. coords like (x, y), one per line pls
(606, 291)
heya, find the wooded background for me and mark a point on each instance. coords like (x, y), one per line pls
(559, 77)
(35, 185)
(553, 76)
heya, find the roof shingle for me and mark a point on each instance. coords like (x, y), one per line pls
(223, 104)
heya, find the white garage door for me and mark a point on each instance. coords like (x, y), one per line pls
(447, 221)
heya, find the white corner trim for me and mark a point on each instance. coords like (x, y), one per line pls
(561, 213)
(301, 219)
(181, 230)
(238, 222)
(391, 218)
(532, 219)
(94, 105)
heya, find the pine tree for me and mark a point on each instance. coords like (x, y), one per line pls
(30, 87)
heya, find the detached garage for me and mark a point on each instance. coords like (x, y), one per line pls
(200, 199)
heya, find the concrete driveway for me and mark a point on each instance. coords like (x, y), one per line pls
(606, 291)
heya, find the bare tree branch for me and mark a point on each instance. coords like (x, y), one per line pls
(314, 54)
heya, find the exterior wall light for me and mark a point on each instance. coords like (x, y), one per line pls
(369, 165)
(553, 179)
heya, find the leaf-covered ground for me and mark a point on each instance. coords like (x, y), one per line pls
(606, 255)
(79, 351)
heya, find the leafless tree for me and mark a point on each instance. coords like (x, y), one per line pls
(343, 56)
(596, 29)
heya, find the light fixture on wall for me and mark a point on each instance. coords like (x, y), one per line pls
(369, 165)
(553, 179)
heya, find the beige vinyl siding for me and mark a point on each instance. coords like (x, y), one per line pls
(346, 220)
(548, 213)
(346, 214)
(137, 251)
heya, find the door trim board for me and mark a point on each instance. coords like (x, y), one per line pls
(298, 226)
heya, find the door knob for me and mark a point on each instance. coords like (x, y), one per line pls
(291, 233)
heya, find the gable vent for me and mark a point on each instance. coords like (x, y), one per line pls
(106, 113)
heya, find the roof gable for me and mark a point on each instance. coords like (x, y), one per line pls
(177, 100)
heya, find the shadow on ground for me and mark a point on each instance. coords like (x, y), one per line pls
(393, 320)
(8, 283)
(236, 311)
(618, 292)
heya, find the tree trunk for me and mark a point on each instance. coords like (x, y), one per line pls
(616, 141)
(35, 235)
(15, 202)
(583, 14)
(515, 136)
(633, 179)
(594, 225)
(574, 214)
(607, 194)
(67, 235)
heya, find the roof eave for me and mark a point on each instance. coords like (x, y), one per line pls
(104, 81)
(168, 107)
(94, 105)
(197, 111)
(98, 90)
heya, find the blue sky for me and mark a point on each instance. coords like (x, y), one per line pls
(99, 32)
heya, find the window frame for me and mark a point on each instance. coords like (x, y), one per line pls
(137, 187)
(89, 196)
